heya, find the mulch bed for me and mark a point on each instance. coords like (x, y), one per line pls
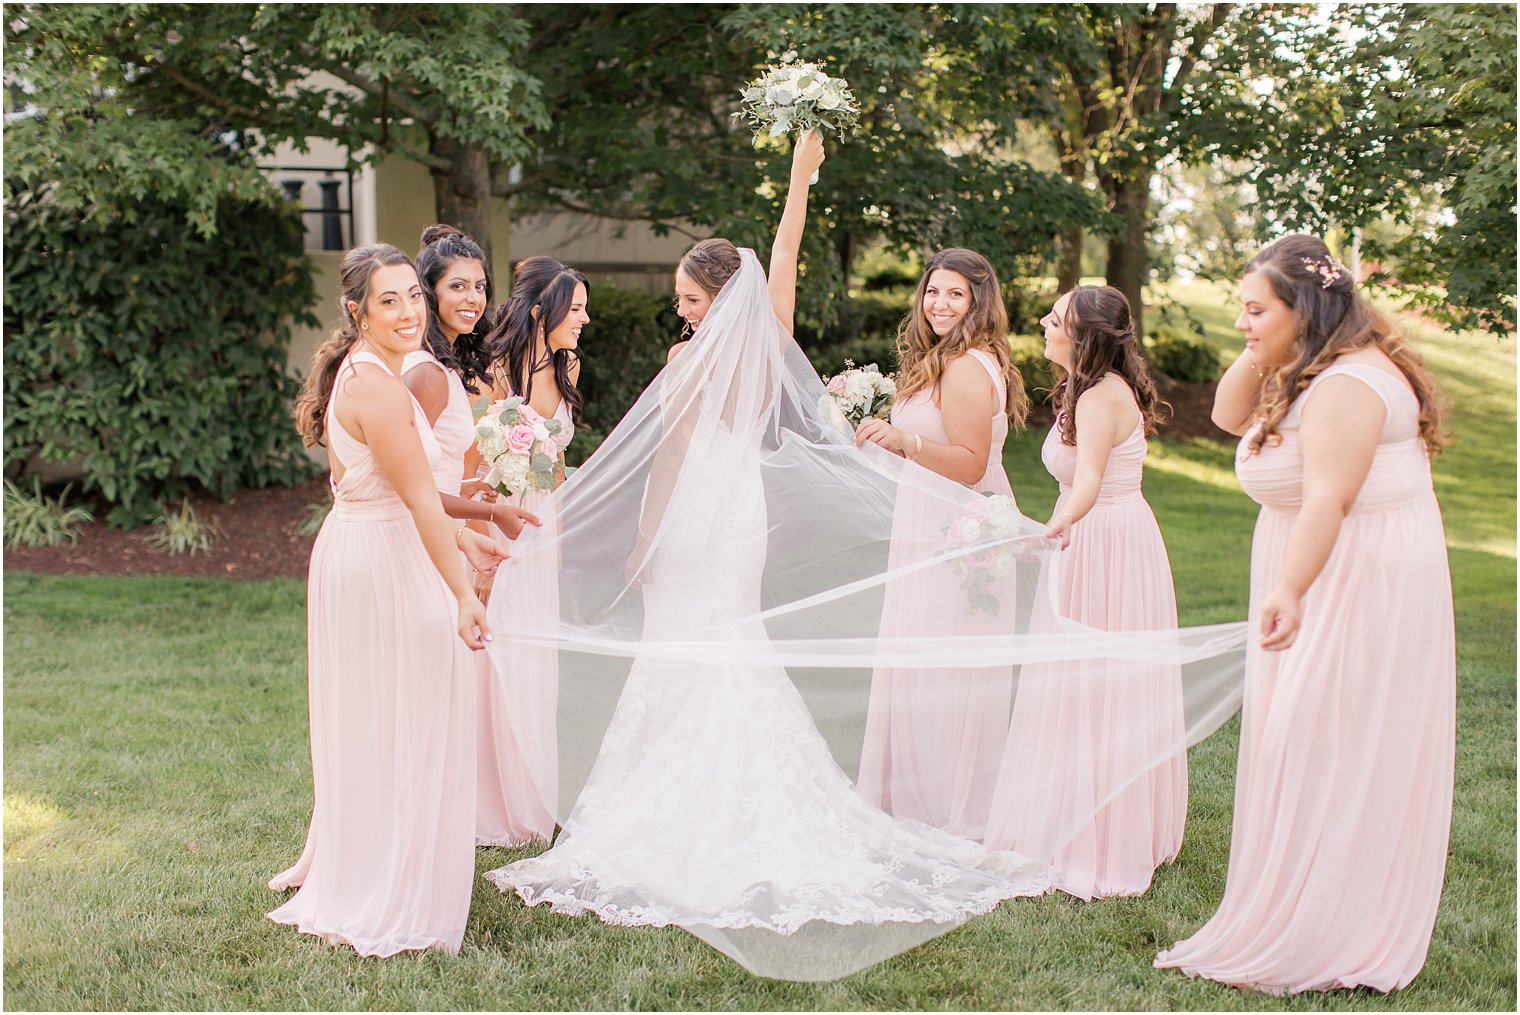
(259, 538)
(258, 541)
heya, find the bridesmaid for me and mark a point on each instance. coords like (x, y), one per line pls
(1347, 742)
(534, 352)
(449, 368)
(1094, 774)
(389, 860)
(933, 738)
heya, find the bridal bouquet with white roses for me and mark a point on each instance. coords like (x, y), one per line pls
(518, 444)
(861, 393)
(993, 519)
(796, 96)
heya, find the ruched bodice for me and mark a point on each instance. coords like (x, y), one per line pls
(918, 414)
(455, 429)
(364, 491)
(1121, 476)
(1400, 471)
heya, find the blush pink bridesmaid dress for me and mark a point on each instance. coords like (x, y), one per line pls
(1094, 775)
(389, 859)
(934, 737)
(519, 691)
(1347, 743)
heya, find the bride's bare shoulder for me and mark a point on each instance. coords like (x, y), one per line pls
(675, 350)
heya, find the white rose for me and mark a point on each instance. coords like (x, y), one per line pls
(858, 386)
(540, 432)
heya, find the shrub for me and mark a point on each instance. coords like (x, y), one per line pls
(1176, 347)
(184, 532)
(878, 349)
(625, 345)
(31, 519)
(313, 516)
(1028, 352)
(153, 356)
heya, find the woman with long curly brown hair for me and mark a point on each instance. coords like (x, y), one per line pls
(1343, 795)
(934, 738)
(389, 858)
(1097, 737)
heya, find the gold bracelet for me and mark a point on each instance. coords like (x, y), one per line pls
(918, 448)
(459, 537)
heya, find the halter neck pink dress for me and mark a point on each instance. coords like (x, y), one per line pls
(1094, 774)
(389, 859)
(1347, 739)
(519, 691)
(934, 737)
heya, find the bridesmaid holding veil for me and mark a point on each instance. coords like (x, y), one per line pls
(1099, 739)
(535, 355)
(933, 737)
(391, 617)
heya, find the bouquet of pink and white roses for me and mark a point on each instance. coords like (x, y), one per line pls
(519, 446)
(861, 393)
(993, 519)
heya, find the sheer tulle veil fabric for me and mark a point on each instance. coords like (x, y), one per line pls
(723, 561)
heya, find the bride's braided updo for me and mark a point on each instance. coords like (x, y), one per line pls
(710, 264)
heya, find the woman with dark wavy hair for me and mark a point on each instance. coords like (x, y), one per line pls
(534, 351)
(934, 737)
(444, 372)
(1099, 738)
(1347, 741)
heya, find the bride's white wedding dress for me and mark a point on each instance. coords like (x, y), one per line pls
(704, 718)
(715, 803)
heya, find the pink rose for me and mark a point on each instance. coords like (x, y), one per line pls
(520, 438)
(836, 384)
(528, 414)
(496, 407)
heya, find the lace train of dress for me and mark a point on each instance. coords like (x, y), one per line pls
(715, 804)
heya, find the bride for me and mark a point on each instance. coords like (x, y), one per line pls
(722, 562)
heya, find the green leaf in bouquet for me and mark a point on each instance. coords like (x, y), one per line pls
(541, 462)
(553, 425)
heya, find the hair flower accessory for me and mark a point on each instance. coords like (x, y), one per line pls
(1330, 270)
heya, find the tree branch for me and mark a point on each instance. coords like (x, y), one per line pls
(196, 88)
(1216, 20)
(395, 96)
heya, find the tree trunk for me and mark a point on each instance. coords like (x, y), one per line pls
(1069, 263)
(844, 246)
(1128, 260)
(462, 195)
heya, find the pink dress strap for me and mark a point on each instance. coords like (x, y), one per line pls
(988, 361)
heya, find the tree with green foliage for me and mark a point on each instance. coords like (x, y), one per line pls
(641, 98)
(1356, 117)
(176, 100)
(148, 355)
(1128, 71)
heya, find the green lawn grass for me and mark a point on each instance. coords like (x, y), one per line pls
(157, 775)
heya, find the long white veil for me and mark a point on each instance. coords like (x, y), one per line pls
(729, 532)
